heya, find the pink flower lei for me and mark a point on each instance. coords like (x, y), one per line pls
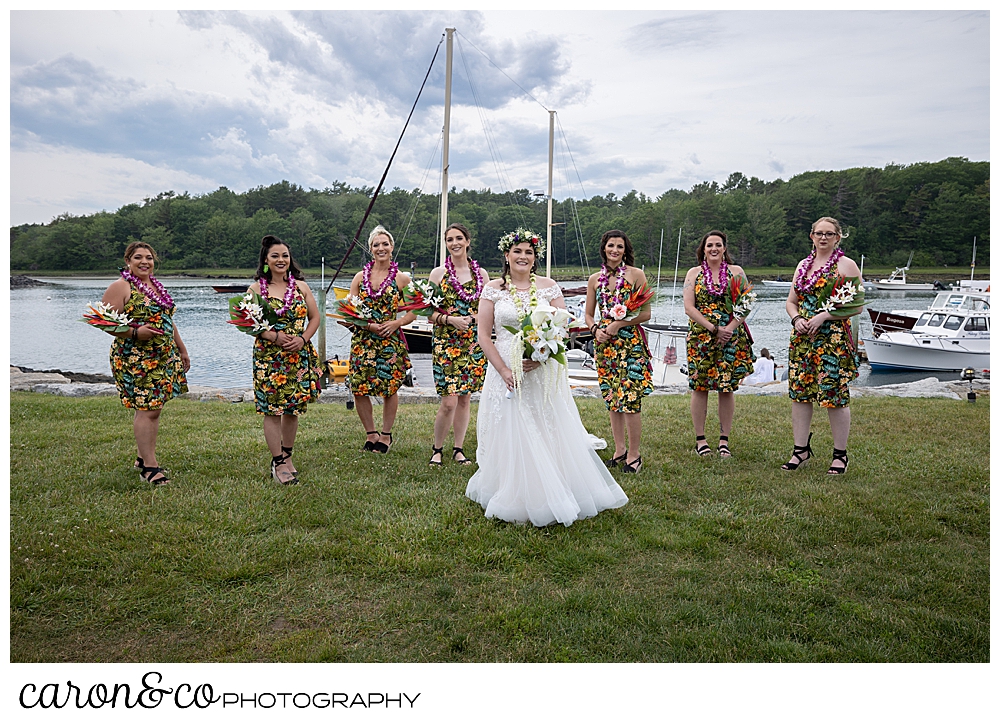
(602, 285)
(713, 288)
(157, 294)
(289, 293)
(460, 291)
(366, 279)
(805, 283)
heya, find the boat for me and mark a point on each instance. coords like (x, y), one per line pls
(897, 281)
(951, 335)
(231, 288)
(777, 283)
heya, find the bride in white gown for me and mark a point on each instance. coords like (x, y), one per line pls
(536, 462)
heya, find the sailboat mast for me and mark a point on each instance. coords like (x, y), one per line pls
(973, 274)
(447, 128)
(548, 225)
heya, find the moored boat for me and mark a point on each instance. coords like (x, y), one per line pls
(231, 288)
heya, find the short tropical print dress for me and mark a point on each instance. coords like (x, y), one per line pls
(458, 361)
(148, 373)
(714, 368)
(284, 382)
(819, 369)
(624, 369)
(378, 366)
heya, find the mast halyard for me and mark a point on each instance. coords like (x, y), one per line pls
(548, 226)
(444, 152)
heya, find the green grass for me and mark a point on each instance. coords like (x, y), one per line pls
(378, 558)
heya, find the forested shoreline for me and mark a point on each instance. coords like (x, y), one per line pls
(932, 209)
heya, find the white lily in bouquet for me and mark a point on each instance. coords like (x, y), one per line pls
(541, 337)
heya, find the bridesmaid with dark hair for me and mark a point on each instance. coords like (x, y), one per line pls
(719, 348)
(285, 363)
(458, 361)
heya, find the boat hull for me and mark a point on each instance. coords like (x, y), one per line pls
(892, 286)
(942, 354)
(777, 284)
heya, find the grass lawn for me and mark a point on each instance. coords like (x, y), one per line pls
(381, 558)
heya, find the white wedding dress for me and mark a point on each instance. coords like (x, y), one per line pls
(536, 461)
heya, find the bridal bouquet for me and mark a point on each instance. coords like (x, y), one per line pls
(107, 319)
(542, 336)
(251, 314)
(845, 298)
(422, 297)
(740, 297)
(630, 307)
(353, 310)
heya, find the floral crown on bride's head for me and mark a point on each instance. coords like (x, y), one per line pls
(522, 235)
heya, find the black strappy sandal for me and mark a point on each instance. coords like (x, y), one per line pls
(838, 454)
(278, 460)
(436, 450)
(724, 452)
(139, 464)
(615, 461)
(458, 451)
(797, 453)
(156, 476)
(369, 445)
(702, 451)
(287, 451)
(382, 447)
(634, 467)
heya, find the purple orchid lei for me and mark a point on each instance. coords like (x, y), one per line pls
(602, 285)
(289, 294)
(803, 283)
(715, 289)
(157, 294)
(366, 279)
(460, 291)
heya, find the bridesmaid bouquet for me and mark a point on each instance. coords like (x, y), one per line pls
(422, 297)
(251, 314)
(740, 297)
(107, 319)
(845, 298)
(630, 307)
(353, 310)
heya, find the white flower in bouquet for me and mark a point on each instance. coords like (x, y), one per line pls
(106, 311)
(845, 294)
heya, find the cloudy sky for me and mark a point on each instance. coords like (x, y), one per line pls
(109, 107)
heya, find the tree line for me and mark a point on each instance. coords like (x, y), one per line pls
(932, 209)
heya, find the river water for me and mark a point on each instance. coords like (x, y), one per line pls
(46, 331)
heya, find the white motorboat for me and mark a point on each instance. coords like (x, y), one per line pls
(951, 335)
(897, 281)
(777, 284)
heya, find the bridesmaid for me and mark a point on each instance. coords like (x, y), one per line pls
(285, 363)
(622, 355)
(822, 359)
(148, 362)
(719, 348)
(379, 359)
(458, 360)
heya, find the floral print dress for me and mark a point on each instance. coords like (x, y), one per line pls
(624, 369)
(284, 382)
(459, 363)
(819, 369)
(378, 366)
(714, 368)
(148, 373)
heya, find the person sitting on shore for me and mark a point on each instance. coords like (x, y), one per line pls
(763, 369)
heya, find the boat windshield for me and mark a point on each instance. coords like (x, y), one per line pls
(954, 323)
(936, 319)
(923, 319)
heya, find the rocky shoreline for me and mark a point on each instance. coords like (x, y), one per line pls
(74, 384)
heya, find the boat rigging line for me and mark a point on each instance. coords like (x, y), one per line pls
(386, 172)
(416, 197)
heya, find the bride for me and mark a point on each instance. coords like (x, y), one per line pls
(536, 462)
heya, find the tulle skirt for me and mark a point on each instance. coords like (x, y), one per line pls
(536, 461)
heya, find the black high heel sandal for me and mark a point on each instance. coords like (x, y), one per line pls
(458, 451)
(724, 452)
(615, 461)
(382, 447)
(797, 453)
(635, 467)
(702, 451)
(436, 450)
(287, 451)
(369, 445)
(278, 460)
(839, 454)
(139, 464)
(156, 476)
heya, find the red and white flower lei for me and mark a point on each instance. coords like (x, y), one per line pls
(460, 291)
(289, 294)
(157, 294)
(602, 289)
(803, 283)
(366, 279)
(713, 288)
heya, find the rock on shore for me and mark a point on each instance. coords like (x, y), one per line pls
(21, 281)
